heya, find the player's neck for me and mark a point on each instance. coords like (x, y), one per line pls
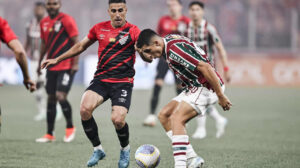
(176, 16)
(197, 22)
(54, 16)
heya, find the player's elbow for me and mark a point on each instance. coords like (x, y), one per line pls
(203, 66)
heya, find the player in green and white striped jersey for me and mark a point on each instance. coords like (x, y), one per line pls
(199, 78)
(206, 37)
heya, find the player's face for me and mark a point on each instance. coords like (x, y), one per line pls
(53, 7)
(152, 51)
(196, 12)
(175, 7)
(117, 12)
(39, 12)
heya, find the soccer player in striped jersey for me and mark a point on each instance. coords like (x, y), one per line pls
(59, 33)
(199, 78)
(113, 78)
(206, 37)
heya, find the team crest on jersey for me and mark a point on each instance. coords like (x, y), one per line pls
(57, 26)
(123, 40)
(101, 36)
(112, 40)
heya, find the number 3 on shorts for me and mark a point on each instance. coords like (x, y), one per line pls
(66, 79)
(124, 93)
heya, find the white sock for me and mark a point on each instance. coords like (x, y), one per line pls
(201, 122)
(125, 148)
(179, 144)
(213, 112)
(98, 147)
(190, 153)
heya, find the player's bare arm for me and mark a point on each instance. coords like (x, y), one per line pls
(209, 74)
(17, 48)
(224, 59)
(42, 54)
(75, 66)
(77, 49)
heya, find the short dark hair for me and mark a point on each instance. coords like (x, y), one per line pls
(180, 2)
(201, 4)
(145, 37)
(116, 1)
(42, 4)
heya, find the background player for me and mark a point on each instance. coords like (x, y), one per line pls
(32, 46)
(191, 66)
(113, 78)
(58, 33)
(174, 23)
(206, 37)
(8, 37)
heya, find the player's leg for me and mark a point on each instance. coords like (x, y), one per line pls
(200, 132)
(95, 95)
(221, 121)
(164, 117)
(161, 72)
(39, 93)
(64, 83)
(120, 95)
(51, 107)
(180, 139)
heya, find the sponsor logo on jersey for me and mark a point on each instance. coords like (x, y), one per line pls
(105, 30)
(112, 40)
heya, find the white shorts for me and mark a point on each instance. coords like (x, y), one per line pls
(33, 74)
(199, 98)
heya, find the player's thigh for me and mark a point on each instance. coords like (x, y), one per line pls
(168, 109)
(64, 81)
(184, 112)
(120, 95)
(51, 80)
(90, 101)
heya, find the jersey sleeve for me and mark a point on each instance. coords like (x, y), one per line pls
(92, 33)
(70, 26)
(6, 33)
(135, 33)
(159, 26)
(187, 54)
(213, 32)
(42, 31)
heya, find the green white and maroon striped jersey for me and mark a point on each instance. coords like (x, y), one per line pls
(205, 36)
(183, 56)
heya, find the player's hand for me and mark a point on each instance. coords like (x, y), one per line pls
(74, 69)
(38, 71)
(227, 76)
(49, 62)
(29, 85)
(224, 102)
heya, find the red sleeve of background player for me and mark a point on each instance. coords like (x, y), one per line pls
(70, 25)
(92, 33)
(135, 33)
(42, 31)
(6, 33)
(159, 26)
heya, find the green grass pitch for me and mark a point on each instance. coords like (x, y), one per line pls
(263, 132)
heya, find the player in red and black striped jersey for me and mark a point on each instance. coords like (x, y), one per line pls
(174, 23)
(113, 78)
(58, 33)
(8, 37)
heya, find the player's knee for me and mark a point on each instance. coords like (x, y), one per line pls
(118, 122)
(60, 97)
(177, 118)
(52, 99)
(85, 112)
(159, 82)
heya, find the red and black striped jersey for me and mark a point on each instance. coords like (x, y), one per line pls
(116, 53)
(6, 33)
(57, 34)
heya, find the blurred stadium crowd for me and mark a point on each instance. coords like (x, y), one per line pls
(244, 25)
